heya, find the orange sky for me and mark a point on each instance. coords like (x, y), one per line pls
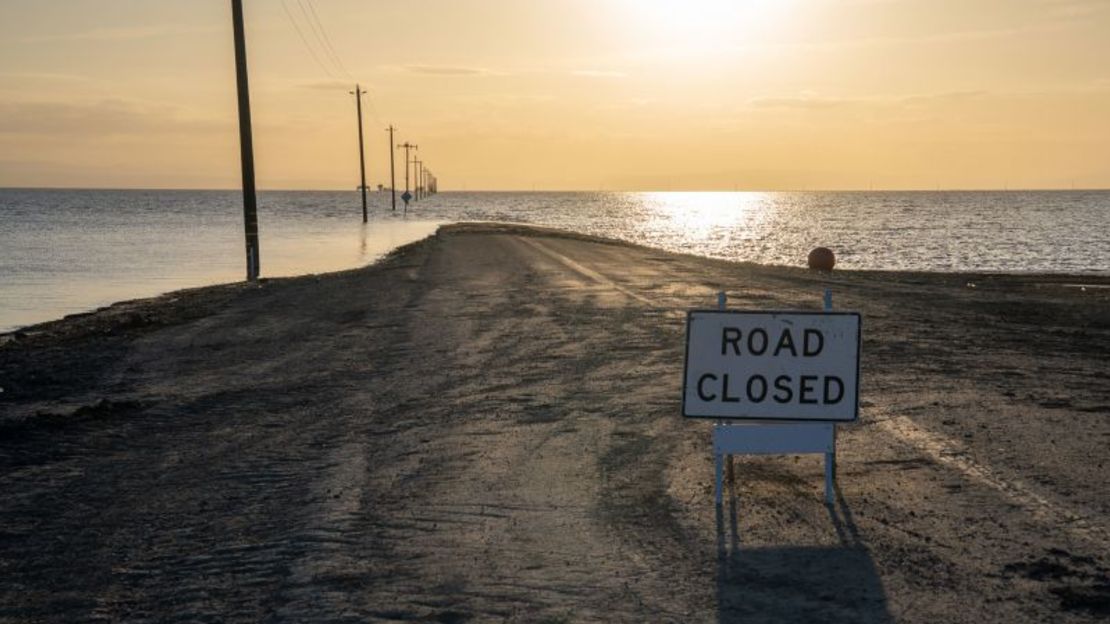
(564, 94)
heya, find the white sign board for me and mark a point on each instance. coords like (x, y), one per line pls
(772, 365)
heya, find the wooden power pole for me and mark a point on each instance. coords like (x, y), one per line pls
(246, 144)
(392, 169)
(407, 147)
(361, 152)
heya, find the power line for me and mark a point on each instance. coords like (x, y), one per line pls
(304, 40)
(317, 34)
(327, 39)
(374, 109)
(312, 29)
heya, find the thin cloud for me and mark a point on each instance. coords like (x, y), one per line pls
(807, 102)
(43, 76)
(813, 101)
(447, 70)
(101, 119)
(926, 39)
(916, 103)
(1075, 8)
(597, 73)
(123, 34)
(327, 85)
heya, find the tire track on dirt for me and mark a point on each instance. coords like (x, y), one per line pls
(585, 271)
(939, 448)
(947, 452)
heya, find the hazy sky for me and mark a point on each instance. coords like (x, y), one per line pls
(563, 94)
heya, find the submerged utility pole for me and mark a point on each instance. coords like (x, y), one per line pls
(392, 170)
(361, 152)
(407, 147)
(417, 180)
(246, 143)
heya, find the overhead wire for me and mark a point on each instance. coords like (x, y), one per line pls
(318, 35)
(327, 39)
(304, 40)
(370, 102)
(326, 48)
(327, 51)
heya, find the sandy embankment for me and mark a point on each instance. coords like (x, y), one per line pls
(486, 426)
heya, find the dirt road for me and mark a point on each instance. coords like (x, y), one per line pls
(486, 427)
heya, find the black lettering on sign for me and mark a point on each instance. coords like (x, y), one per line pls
(724, 393)
(785, 393)
(786, 341)
(730, 336)
(701, 387)
(829, 381)
(806, 389)
(814, 342)
(757, 397)
(757, 336)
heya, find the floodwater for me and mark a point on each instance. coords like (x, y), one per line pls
(65, 251)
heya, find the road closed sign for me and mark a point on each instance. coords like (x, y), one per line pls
(772, 365)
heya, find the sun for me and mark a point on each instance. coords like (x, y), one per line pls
(703, 18)
(699, 24)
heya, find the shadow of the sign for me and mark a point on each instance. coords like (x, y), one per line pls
(797, 583)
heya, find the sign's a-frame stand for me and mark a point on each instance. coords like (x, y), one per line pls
(774, 438)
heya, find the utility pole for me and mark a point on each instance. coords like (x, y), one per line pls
(361, 152)
(392, 170)
(418, 173)
(407, 147)
(246, 143)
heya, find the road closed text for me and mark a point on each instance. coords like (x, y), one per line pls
(788, 366)
(784, 389)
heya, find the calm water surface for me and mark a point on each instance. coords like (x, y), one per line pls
(64, 251)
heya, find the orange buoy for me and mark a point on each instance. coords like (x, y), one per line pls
(822, 259)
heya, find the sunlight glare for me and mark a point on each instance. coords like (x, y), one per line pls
(692, 25)
(708, 220)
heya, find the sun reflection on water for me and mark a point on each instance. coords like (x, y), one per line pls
(701, 220)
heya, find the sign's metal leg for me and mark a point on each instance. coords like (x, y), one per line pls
(830, 477)
(720, 477)
(830, 471)
(830, 458)
(722, 303)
